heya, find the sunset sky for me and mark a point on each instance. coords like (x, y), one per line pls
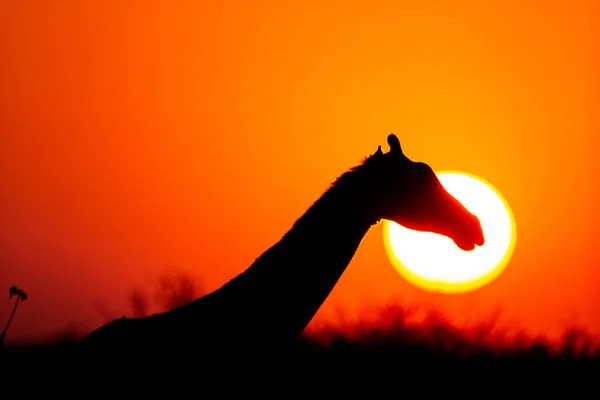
(138, 137)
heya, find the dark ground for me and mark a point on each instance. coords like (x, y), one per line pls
(390, 355)
(428, 358)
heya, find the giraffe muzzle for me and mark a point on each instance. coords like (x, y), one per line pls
(472, 237)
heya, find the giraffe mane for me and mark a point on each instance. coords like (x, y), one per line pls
(344, 182)
(356, 170)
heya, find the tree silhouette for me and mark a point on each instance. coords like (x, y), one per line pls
(20, 296)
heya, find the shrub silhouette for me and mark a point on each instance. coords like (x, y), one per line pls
(171, 290)
(176, 289)
(139, 303)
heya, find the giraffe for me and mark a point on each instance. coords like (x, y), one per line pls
(269, 304)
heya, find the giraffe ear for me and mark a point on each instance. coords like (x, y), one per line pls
(394, 143)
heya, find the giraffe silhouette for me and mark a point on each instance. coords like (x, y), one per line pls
(269, 304)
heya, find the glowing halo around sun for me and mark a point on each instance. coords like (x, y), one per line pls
(433, 262)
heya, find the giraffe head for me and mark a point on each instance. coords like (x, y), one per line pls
(410, 194)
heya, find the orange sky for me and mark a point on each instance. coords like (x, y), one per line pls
(140, 136)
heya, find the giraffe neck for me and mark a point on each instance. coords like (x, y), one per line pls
(278, 295)
(272, 301)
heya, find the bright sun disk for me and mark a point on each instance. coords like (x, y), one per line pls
(434, 262)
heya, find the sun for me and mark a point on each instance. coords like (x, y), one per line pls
(434, 262)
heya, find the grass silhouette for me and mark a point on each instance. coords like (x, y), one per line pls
(395, 331)
(20, 296)
(363, 352)
(392, 341)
